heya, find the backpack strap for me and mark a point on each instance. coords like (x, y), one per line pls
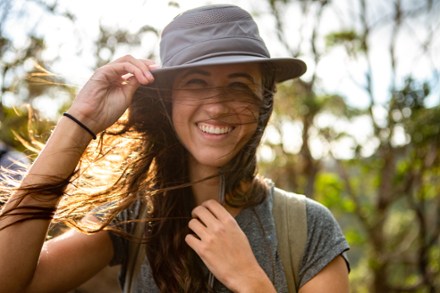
(289, 212)
(136, 252)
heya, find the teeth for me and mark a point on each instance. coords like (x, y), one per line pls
(214, 129)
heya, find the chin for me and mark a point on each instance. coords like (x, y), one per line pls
(210, 161)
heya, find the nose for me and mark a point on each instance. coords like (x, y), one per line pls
(216, 106)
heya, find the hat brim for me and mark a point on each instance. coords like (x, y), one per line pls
(283, 68)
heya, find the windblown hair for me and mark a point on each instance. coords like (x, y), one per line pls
(141, 158)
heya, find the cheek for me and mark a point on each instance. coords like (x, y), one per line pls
(181, 113)
(177, 114)
(174, 110)
(247, 113)
(248, 117)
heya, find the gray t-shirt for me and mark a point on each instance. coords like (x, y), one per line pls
(325, 241)
(13, 161)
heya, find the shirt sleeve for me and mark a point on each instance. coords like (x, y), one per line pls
(325, 241)
(123, 223)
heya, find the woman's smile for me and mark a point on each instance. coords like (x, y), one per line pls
(214, 129)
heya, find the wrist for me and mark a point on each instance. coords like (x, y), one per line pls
(85, 117)
(61, 153)
(80, 124)
(72, 132)
(254, 281)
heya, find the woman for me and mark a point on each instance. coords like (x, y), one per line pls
(185, 154)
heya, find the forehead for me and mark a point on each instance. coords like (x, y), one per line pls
(225, 70)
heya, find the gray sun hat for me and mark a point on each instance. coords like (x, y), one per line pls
(217, 35)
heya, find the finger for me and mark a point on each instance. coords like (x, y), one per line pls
(143, 76)
(142, 66)
(114, 73)
(198, 228)
(204, 215)
(153, 66)
(217, 210)
(199, 247)
(127, 67)
(193, 242)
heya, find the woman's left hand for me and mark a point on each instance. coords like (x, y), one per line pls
(225, 249)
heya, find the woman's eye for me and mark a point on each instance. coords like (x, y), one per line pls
(242, 87)
(196, 82)
(243, 90)
(239, 85)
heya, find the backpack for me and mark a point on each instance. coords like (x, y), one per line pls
(3, 152)
(289, 212)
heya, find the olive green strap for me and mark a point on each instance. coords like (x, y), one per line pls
(289, 212)
(136, 252)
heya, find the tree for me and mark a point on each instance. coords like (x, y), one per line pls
(390, 181)
(24, 74)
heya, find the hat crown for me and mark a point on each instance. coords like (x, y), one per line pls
(210, 31)
(209, 14)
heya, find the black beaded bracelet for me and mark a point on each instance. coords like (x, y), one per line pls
(80, 124)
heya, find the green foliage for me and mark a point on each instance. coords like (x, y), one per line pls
(330, 192)
(341, 37)
(424, 126)
(23, 123)
(354, 236)
(349, 39)
(26, 78)
(388, 202)
(13, 120)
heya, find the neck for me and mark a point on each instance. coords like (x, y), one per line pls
(205, 189)
(209, 188)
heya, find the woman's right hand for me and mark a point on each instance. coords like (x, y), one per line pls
(108, 93)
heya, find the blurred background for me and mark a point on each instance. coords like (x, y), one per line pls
(359, 132)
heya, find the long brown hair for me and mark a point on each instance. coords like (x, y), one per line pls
(176, 268)
(141, 158)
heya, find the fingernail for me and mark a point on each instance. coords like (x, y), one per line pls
(149, 76)
(154, 66)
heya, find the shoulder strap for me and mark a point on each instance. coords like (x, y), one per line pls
(289, 212)
(136, 252)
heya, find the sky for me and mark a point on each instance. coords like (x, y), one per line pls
(336, 72)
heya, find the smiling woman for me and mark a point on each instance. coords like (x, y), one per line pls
(173, 194)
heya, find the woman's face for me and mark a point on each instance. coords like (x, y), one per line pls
(215, 111)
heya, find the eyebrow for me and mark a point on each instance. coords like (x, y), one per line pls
(242, 75)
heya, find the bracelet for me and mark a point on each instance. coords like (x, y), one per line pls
(80, 124)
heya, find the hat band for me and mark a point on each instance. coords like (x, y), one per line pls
(216, 48)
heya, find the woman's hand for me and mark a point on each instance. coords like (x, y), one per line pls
(108, 93)
(225, 249)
